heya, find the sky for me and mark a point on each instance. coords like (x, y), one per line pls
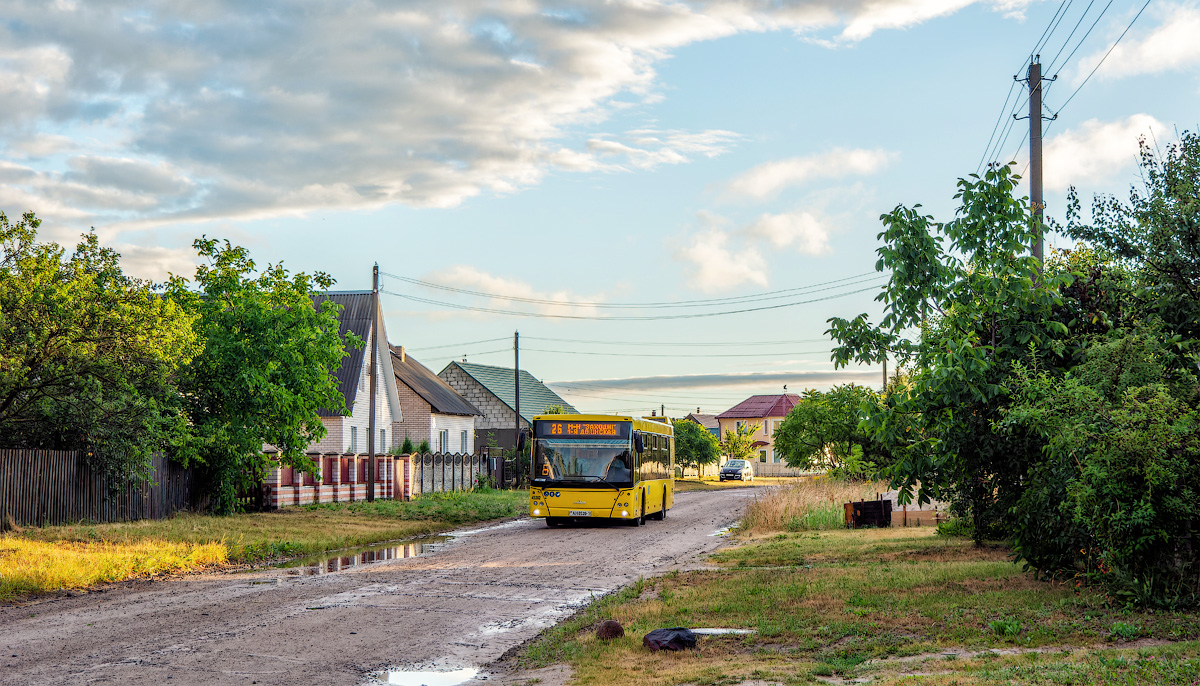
(668, 200)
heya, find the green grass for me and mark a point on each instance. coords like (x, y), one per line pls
(263, 536)
(888, 604)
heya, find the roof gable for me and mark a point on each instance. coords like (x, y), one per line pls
(708, 421)
(759, 406)
(356, 318)
(535, 396)
(441, 397)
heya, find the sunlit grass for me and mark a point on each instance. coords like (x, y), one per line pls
(245, 538)
(28, 566)
(887, 604)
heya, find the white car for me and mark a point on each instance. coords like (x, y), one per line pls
(742, 470)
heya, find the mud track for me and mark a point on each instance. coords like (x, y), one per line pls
(463, 605)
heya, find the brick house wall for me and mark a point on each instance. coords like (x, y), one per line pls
(416, 422)
(496, 414)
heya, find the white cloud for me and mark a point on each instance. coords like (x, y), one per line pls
(276, 108)
(1096, 151)
(718, 264)
(156, 263)
(1171, 45)
(802, 229)
(768, 179)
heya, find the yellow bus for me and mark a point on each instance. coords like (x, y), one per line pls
(588, 467)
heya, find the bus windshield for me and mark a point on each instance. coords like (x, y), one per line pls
(581, 461)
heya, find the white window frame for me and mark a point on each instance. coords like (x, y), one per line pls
(353, 440)
(464, 441)
(443, 440)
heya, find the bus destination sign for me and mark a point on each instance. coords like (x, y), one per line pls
(553, 429)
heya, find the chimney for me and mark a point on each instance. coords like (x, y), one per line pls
(402, 353)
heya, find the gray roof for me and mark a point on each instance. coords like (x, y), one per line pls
(441, 398)
(708, 421)
(535, 396)
(356, 318)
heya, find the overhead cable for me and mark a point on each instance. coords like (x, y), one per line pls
(693, 315)
(1113, 47)
(769, 295)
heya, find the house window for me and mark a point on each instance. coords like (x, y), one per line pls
(354, 440)
(464, 443)
(767, 430)
(443, 441)
(762, 456)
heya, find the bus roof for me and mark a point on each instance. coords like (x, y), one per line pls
(648, 425)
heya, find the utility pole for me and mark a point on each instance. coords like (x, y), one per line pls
(517, 383)
(1035, 153)
(1033, 78)
(884, 389)
(374, 357)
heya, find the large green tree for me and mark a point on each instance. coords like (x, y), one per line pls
(266, 368)
(695, 446)
(88, 355)
(825, 431)
(964, 301)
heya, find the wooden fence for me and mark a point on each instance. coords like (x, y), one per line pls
(47, 487)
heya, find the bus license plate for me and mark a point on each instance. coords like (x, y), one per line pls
(579, 513)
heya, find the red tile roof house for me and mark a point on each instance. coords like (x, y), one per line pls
(765, 412)
(342, 454)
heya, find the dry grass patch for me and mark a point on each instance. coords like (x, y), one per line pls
(38, 566)
(806, 505)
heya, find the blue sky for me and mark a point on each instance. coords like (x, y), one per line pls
(607, 153)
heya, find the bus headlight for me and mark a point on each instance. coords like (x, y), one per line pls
(624, 513)
(537, 512)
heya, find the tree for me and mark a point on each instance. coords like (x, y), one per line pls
(979, 305)
(695, 446)
(824, 431)
(555, 409)
(265, 370)
(739, 443)
(87, 354)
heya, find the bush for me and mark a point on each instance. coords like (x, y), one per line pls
(406, 448)
(423, 448)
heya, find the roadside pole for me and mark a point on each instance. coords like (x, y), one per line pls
(374, 357)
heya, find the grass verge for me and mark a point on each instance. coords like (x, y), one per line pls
(56, 558)
(884, 605)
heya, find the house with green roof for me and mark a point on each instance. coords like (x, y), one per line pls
(492, 391)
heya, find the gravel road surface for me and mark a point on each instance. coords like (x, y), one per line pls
(461, 604)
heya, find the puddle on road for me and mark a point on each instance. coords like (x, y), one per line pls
(724, 531)
(330, 563)
(404, 677)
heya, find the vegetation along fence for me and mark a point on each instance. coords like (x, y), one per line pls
(46, 487)
(439, 472)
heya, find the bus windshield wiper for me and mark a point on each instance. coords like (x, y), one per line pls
(606, 482)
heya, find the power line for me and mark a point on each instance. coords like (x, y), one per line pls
(769, 295)
(673, 345)
(1113, 47)
(455, 345)
(1071, 35)
(1050, 31)
(996, 126)
(695, 315)
(1084, 38)
(596, 353)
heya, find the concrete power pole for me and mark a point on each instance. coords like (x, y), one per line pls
(374, 357)
(1034, 81)
(517, 403)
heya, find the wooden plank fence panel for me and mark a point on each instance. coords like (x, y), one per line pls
(47, 487)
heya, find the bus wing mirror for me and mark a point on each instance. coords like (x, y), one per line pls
(520, 441)
(638, 444)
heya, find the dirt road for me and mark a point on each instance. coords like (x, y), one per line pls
(461, 605)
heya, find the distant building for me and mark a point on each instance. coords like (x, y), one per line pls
(491, 390)
(765, 412)
(433, 411)
(708, 421)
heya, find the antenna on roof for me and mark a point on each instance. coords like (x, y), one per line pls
(785, 389)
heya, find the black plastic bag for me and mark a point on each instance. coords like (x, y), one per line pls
(675, 638)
